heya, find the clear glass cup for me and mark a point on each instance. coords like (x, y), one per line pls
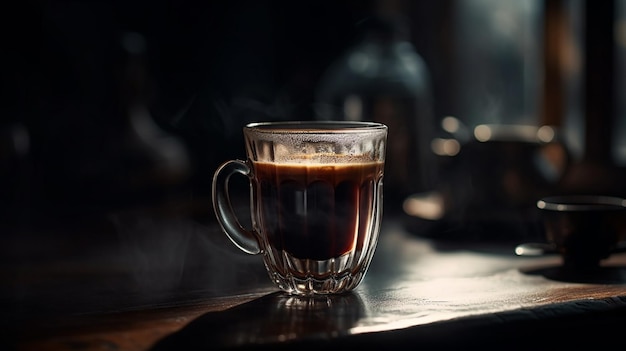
(316, 201)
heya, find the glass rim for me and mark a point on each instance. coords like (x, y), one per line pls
(315, 127)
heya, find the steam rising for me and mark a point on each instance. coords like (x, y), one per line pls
(167, 254)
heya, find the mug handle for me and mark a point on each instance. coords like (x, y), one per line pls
(244, 239)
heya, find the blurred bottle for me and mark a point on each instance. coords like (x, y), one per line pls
(137, 162)
(153, 161)
(15, 167)
(382, 78)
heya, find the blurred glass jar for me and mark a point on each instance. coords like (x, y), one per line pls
(382, 78)
(492, 178)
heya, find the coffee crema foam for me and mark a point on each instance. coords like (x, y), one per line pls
(321, 160)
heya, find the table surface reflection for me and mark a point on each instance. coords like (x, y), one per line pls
(416, 291)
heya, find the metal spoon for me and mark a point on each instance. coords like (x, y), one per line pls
(535, 249)
(541, 249)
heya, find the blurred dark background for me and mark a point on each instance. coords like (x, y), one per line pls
(110, 106)
(79, 74)
(200, 70)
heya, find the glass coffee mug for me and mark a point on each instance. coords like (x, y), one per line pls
(316, 201)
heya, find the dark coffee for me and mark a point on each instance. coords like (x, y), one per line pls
(316, 211)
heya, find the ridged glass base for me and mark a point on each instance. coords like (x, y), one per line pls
(312, 277)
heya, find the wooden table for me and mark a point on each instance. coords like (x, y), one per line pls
(176, 283)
